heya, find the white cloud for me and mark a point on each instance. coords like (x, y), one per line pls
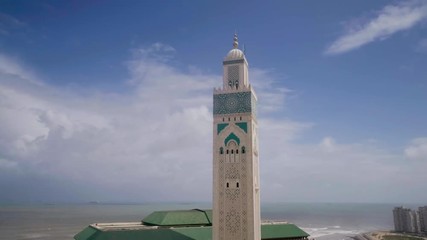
(158, 133)
(157, 52)
(333, 171)
(11, 67)
(270, 94)
(154, 143)
(328, 144)
(390, 20)
(417, 149)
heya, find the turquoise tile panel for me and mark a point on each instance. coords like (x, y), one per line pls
(221, 127)
(243, 126)
(230, 137)
(227, 103)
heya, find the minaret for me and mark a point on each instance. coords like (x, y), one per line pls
(236, 201)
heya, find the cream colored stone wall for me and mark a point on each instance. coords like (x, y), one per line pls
(236, 201)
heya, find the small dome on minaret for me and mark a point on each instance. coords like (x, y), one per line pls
(235, 53)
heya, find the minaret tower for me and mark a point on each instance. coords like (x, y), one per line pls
(236, 201)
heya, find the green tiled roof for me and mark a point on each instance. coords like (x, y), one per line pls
(272, 231)
(87, 233)
(180, 217)
(177, 225)
(185, 233)
(268, 231)
(204, 233)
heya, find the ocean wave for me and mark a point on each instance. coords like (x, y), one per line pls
(34, 235)
(316, 232)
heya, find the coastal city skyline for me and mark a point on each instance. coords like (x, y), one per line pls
(98, 99)
(410, 221)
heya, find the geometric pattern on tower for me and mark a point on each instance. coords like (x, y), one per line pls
(232, 221)
(231, 173)
(232, 194)
(227, 103)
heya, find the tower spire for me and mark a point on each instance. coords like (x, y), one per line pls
(235, 42)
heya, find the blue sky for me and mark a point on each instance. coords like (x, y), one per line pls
(99, 98)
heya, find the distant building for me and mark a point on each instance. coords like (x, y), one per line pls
(405, 220)
(422, 213)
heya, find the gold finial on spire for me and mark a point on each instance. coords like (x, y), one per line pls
(235, 43)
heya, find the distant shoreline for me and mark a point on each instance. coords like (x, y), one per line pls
(384, 235)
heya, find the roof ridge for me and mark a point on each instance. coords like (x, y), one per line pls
(206, 214)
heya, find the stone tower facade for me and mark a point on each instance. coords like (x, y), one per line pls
(236, 200)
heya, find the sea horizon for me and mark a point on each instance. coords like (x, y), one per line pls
(54, 220)
(119, 202)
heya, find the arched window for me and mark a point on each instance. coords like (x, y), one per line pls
(228, 185)
(237, 184)
(232, 151)
(240, 118)
(227, 151)
(243, 149)
(221, 150)
(237, 151)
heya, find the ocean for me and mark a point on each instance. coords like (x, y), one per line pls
(323, 221)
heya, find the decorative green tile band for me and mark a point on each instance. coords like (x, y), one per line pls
(239, 102)
(232, 136)
(243, 126)
(233, 61)
(221, 127)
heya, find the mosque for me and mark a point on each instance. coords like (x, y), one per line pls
(236, 200)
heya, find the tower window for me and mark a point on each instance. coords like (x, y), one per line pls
(227, 151)
(223, 119)
(228, 119)
(243, 149)
(240, 118)
(228, 185)
(232, 151)
(237, 151)
(233, 76)
(221, 150)
(237, 184)
(234, 118)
